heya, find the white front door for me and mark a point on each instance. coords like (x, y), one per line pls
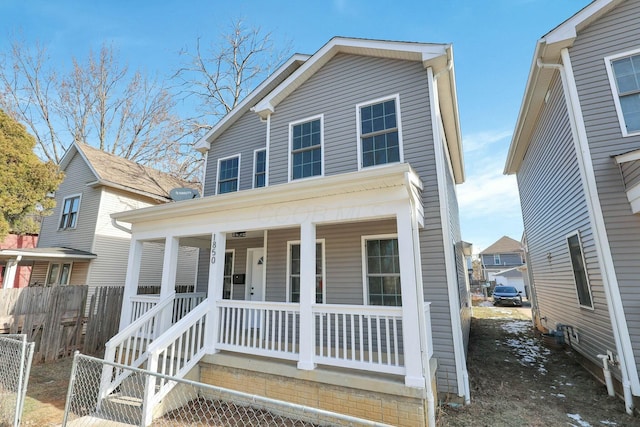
(255, 261)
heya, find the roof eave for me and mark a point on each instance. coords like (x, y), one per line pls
(111, 184)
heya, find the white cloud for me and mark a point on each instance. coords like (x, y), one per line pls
(480, 140)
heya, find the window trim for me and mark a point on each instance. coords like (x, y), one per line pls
(266, 167)
(573, 274)
(61, 264)
(233, 267)
(71, 196)
(290, 152)
(497, 257)
(324, 269)
(614, 88)
(396, 98)
(365, 269)
(222, 159)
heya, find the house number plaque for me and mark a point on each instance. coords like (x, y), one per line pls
(213, 249)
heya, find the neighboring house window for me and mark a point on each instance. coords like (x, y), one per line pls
(227, 287)
(259, 168)
(306, 140)
(624, 77)
(579, 270)
(382, 270)
(496, 260)
(70, 208)
(379, 132)
(59, 274)
(294, 272)
(228, 170)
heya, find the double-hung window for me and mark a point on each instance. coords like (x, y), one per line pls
(228, 172)
(624, 78)
(496, 259)
(294, 272)
(579, 270)
(70, 209)
(259, 168)
(305, 141)
(379, 132)
(59, 274)
(382, 270)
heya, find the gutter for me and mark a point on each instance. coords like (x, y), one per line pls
(601, 240)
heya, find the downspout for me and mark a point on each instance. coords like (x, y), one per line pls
(422, 330)
(462, 376)
(114, 222)
(609, 281)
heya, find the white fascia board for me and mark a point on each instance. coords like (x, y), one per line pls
(204, 143)
(633, 195)
(631, 156)
(569, 28)
(105, 183)
(422, 52)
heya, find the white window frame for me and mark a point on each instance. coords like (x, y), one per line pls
(61, 265)
(395, 97)
(266, 167)
(324, 269)
(573, 274)
(233, 269)
(614, 88)
(496, 259)
(222, 159)
(79, 196)
(290, 153)
(365, 268)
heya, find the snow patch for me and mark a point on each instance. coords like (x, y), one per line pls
(577, 418)
(609, 423)
(517, 327)
(529, 352)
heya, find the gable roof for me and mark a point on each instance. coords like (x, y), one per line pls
(439, 57)
(503, 245)
(548, 51)
(117, 172)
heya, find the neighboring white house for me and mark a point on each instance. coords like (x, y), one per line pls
(576, 155)
(79, 244)
(330, 226)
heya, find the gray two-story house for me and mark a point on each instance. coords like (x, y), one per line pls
(576, 154)
(330, 249)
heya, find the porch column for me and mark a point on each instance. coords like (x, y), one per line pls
(131, 281)
(168, 281)
(307, 295)
(412, 297)
(10, 272)
(214, 289)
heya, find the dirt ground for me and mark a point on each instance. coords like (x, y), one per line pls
(516, 381)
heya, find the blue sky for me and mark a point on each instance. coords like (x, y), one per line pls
(493, 43)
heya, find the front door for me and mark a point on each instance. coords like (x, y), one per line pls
(255, 259)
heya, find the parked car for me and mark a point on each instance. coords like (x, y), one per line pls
(507, 295)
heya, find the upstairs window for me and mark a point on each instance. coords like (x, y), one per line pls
(624, 77)
(306, 139)
(228, 170)
(379, 132)
(259, 168)
(579, 270)
(70, 209)
(496, 259)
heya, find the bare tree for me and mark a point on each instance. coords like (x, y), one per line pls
(99, 102)
(219, 75)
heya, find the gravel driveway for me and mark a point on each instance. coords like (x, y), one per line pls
(516, 381)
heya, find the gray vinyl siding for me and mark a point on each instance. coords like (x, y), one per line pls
(245, 136)
(505, 259)
(616, 32)
(553, 206)
(77, 175)
(631, 173)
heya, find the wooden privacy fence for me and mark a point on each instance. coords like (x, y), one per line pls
(56, 318)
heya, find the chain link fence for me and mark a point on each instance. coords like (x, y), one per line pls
(188, 404)
(15, 363)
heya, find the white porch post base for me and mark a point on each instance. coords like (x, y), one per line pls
(417, 382)
(307, 294)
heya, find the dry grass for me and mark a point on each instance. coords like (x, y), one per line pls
(516, 381)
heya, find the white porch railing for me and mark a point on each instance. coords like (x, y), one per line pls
(260, 328)
(140, 304)
(359, 337)
(174, 354)
(184, 302)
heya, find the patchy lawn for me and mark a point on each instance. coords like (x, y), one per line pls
(516, 381)
(47, 393)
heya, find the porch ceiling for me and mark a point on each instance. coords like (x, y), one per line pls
(387, 177)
